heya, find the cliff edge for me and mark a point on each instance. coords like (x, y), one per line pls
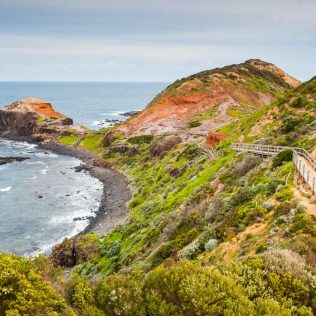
(31, 117)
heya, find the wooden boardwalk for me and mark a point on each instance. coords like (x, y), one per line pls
(304, 163)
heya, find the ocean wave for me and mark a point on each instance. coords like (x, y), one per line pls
(46, 154)
(101, 123)
(46, 247)
(44, 171)
(19, 144)
(35, 163)
(69, 218)
(5, 189)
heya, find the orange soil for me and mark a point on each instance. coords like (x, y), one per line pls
(178, 110)
(41, 107)
(213, 139)
(230, 248)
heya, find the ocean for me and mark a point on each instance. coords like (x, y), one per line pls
(41, 196)
(88, 103)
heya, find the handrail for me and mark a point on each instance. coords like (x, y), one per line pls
(297, 152)
(277, 149)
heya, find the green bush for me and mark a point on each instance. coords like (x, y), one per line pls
(160, 253)
(79, 292)
(211, 244)
(141, 139)
(120, 295)
(281, 157)
(187, 289)
(23, 291)
(194, 124)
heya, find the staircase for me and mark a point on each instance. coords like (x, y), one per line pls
(304, 163)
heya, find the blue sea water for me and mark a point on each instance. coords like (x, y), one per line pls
(87, 103)
(41, 196)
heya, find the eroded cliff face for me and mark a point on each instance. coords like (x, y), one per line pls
(17, 123)
(31, 117)
(208, 100)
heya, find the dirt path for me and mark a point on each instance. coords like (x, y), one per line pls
(231, 247)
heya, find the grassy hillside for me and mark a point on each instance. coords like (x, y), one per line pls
(228, 236)
(212, 98)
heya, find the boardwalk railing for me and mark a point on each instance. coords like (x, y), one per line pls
(304, 162)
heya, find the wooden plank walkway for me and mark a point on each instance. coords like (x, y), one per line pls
(304, 163)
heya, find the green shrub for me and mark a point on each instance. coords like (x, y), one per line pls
(120, 295)
(300, 102)
(303, 224)
(272, 186)
(187, 289)
(141, 139)
(211, 244)
(193, 124)
(79, 292)
(281, 157)
(262, 248)
(23, 291)
(271, 307)
(160, 253)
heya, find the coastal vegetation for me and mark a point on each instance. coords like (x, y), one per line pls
(227, 235)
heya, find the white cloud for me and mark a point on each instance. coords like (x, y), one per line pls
(151, 40)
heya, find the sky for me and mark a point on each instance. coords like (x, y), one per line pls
(151, 40)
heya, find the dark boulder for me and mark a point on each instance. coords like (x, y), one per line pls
(124, 149)
(165, 144)
(5, 160)
(101, 163)
(108, 139)
(74, 251)
(18, 123)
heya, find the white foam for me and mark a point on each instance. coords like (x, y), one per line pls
(47, 154)
(35, 163)
(5, 189)
(101, 123)
(69, 218)
(44, 171)
(25, 145)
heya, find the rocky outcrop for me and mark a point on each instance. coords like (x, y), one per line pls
(165, 145)
(213, 139)
(130, 113)
(17, 123)
(32, 117)
(74, 251)
(124, 149)
(34, 105)
(5, 160)
(102, 163)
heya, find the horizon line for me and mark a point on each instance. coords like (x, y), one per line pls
(79, 81)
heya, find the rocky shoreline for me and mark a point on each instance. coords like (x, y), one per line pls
(5, 160)
(116, 192)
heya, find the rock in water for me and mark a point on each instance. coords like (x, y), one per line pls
(130, 113)
(5, 160)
